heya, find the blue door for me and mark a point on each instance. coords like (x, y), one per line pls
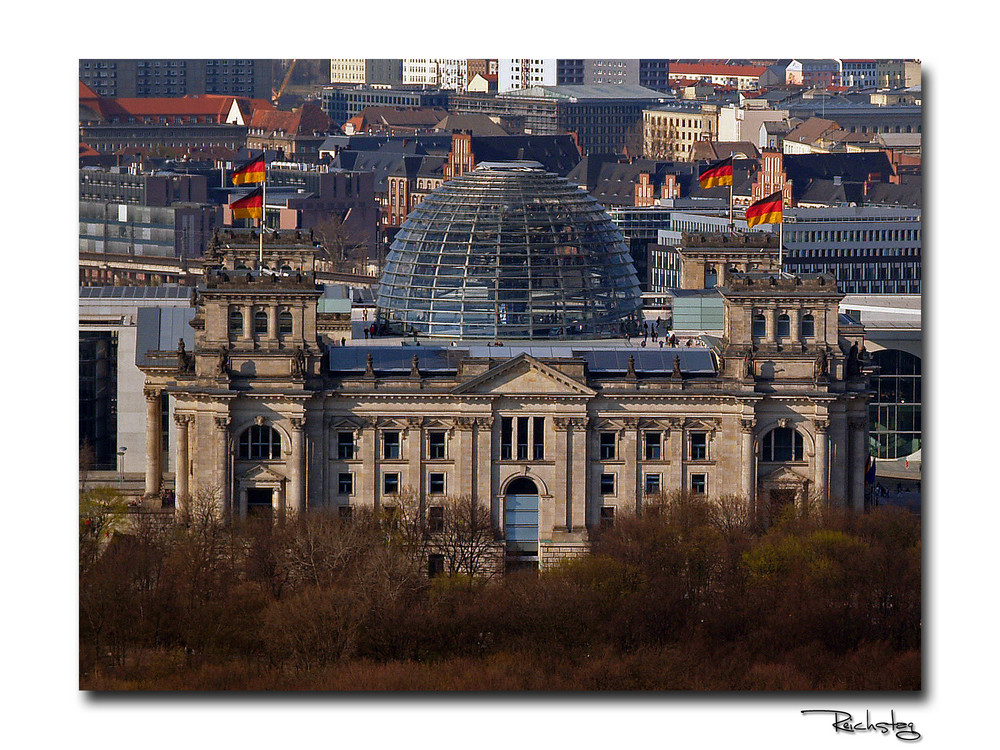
(521, 518)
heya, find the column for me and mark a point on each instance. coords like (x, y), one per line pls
(247, 334)
(369, 472)
(294, 467)
(674, 447)
(182, 507)
(794, 324)
(272, 323)
(222, 465)
(770, 318)
(629, 488)
(153, 458)
(482, 483)
(749, 459)
(579, 490)
(837, 450)
(414, 456)
(821, 426)
(858, 431)
(561, 476)
(462, 457)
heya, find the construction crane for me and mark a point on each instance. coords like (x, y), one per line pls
(276, 93)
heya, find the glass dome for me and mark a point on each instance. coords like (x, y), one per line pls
(509, 251)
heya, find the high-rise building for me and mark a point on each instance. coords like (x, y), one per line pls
(178, 77)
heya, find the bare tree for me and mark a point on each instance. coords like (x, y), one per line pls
(343, 245)
(462, 533)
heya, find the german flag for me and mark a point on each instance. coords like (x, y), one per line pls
(767, 211)
(250, 206)
(717, 175)
(253, 171)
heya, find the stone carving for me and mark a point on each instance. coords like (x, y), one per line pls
(677, 367)
(415, 367)
(630, 373)
(259, 420)
(748, 364)
(822, 366)
(822, 425)
(222, 366)
(369, 366)
(185, 362)
(299, 363)
(853, 363)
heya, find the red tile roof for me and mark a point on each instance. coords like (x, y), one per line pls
(305, 120)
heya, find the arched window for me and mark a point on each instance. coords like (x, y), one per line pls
(260, 442)
(711, 277)
(235, 323)
(284, 322)
(895, 408)
(759, 326)
(808, 326)
(784, 327)
(782, 444)
(260, 322)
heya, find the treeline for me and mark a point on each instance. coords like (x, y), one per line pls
(690, 596)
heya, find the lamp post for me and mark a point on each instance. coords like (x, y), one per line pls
(121, 466)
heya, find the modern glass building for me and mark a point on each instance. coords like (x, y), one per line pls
(509, 250)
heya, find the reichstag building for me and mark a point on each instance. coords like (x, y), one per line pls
(506, 362)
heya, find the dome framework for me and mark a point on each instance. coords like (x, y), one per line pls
(509, 251)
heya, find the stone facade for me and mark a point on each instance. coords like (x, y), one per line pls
(265, 416)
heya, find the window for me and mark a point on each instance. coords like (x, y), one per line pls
(345, 445)
(808, 326)
(436, 483)
(607, 484)
(346, 512)
(782, 444)
(260, 442)
(260, 322)
(698, 484)
(345, 483)
(284, 322)
(506, 438)
(784, 326)
(435, 445)
(607, 446)
(435, 519)
(759, 326)
(235, 323)
(390, 444)
(699, 446)
(607, 517)
(522, 438)
(435, 565)
(653, 448)
(652, 485)
(390, 483)
(538, 439)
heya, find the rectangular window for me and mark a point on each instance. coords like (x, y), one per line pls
(607, 517)
(435, 518)
(435, 565)
(522, 438)
(607, 484)
(607, 446)
(345, 445)
(435, 445)
(390, 444)
(345, 483)
(538, 439)
(699, 446)
(652, 486)
(390, 483)
(436, 483)
(698, 484)
(346, 512)
(653, 447)
(506, 438)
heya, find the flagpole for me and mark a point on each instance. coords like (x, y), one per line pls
(263, 211)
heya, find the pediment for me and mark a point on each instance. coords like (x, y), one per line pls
(784, 475)
(524, 376)
(261, 473)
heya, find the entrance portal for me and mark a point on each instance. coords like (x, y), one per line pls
(260, 502)
(521, 522)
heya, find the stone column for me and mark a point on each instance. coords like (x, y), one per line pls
(369, 471)
(837, 450)
(578, 493)
(857, 429)
(460, 451)
(414, 456)
(771, 319)
(749, 458)
(247, 334)
(153, 458)
(673, 439)
(272, 323)
(821, 426)
(222, 465)
(629, 489)
(294, 467)
(561, 476)
(794, 325)
(182, 505)
(482, 482)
